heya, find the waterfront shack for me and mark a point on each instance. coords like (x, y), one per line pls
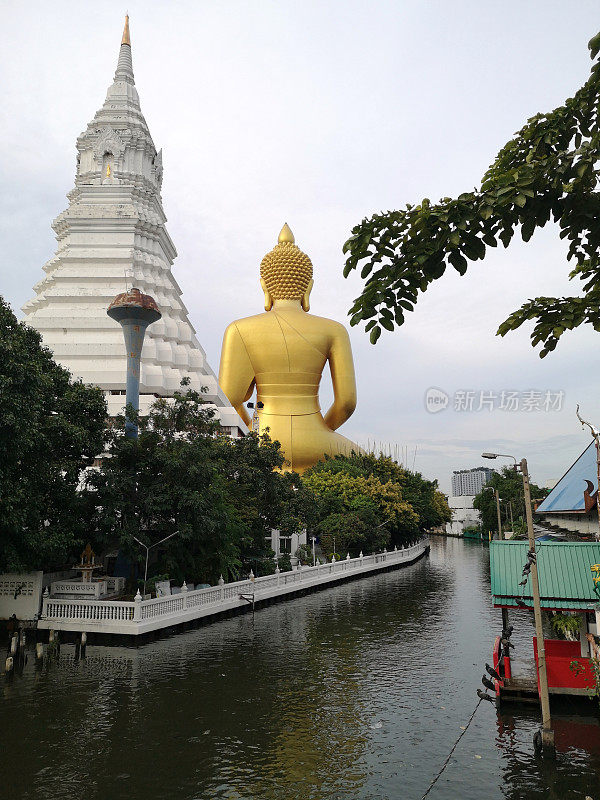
(569, 578)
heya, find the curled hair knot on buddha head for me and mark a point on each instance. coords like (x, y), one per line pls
(286, 272)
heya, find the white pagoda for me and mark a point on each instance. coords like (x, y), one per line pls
(110, 238)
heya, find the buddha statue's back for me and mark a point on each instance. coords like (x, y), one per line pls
(283, 353)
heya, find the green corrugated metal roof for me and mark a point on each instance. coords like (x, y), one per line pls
(566, 580)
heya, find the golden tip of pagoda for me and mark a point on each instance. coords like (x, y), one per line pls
(125, 39)
(286, 235)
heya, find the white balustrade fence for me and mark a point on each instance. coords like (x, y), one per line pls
(142, 616)
(93, 590)
(76, 589)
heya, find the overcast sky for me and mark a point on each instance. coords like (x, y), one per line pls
(319, 114)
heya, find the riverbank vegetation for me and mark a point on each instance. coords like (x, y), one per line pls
(51, 428)
(222, 497)
(69, 476)
(367, 502)
(509, 485)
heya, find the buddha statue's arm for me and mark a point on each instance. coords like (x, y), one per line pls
(342, 376)
(236, 375)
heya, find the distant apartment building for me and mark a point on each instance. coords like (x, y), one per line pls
(470, 481)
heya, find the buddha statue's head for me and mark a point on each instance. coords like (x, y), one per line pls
(286, 272)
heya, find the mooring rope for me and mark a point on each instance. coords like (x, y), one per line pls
(446, 762)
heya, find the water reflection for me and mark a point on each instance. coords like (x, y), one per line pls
(355, 692)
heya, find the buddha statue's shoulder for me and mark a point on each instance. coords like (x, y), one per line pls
(248, 323)
(325, 324)
(247, 326)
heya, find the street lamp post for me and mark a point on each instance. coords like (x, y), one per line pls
(547, 732)
(497, 496)
(510, 510)
(148, 548)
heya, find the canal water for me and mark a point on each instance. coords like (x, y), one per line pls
(353, 693)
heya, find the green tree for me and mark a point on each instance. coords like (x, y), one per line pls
(362, 512)
(352, 531)
(51, 428)
(298, 509)
(169, 480)
(222, 496)
(509, 484)
(423, 495)
(257, 491)
(548, 171)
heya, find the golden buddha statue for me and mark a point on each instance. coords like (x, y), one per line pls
(283, 353)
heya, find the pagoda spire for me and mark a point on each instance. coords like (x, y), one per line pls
(125, 64)
(125, 38)
(114, 232)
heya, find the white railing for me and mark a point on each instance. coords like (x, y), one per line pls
(92, 610)
(115, 616)
(77, 588)
(95, 589)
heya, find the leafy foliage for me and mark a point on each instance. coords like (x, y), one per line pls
(51, 427)
(368, 502)
(423, 495)
(360, 511)
(548, 171)
(565, 626)
(182, 475)
(221, 496)
(510, 488)
(304, 555)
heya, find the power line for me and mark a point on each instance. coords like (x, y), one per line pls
(446, 762)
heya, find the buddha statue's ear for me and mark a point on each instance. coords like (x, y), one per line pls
(306, 296)
(268, 298)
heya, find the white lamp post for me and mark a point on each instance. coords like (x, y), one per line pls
(148, 548)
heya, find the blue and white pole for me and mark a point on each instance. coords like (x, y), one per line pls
(134, 311)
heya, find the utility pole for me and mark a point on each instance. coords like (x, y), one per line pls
(547, 732)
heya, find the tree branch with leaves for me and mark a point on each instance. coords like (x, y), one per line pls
(548, 171)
